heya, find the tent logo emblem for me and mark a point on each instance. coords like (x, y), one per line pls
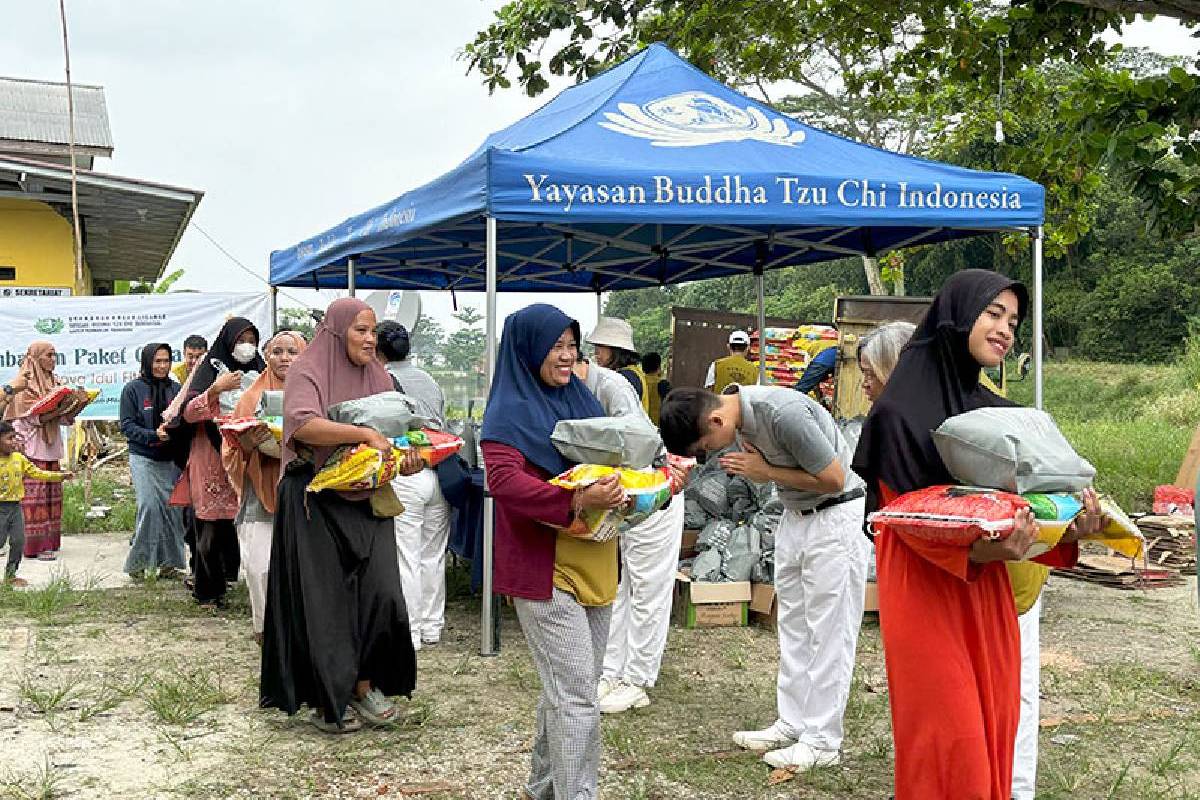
(694, 119)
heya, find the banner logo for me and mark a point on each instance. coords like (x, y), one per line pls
(694, 119)
(49, 326)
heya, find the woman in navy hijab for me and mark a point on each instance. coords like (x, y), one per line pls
(562, 586)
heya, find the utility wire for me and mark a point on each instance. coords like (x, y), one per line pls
(242, 266)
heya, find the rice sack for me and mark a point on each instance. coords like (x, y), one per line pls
(647, 491)
(360, 467)
(955, 515)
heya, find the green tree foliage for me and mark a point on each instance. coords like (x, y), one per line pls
(463, 350)
(896, 62)
(428, 338)
(298, 319)
(1140, 308)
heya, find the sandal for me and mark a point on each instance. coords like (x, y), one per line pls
(350, 723)
(376, 709)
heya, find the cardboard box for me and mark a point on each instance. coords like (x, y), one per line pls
(871, 603)
(764, 611)
(687, 546)
(710, 605)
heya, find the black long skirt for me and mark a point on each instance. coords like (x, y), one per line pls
(335, 611)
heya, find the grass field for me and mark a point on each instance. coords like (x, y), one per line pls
(1132, 422)
(137, 693)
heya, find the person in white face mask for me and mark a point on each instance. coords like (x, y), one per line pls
(192, 415)
(423, 528)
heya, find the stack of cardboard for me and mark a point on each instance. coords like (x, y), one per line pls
(1170, 541)
(1119, 572)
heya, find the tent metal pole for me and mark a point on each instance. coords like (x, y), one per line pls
(488, 644)
(350, 265)
(1038, 382)
(274, 295)
(762, 329)
(599, 307)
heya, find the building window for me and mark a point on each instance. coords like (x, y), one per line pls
(8, 273)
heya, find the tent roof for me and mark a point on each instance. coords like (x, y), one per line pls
(653, 173)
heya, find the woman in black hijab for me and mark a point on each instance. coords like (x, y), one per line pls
(158, 535)
(214, 502)
(946, 613)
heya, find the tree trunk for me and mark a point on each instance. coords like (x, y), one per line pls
(898, 286)
(874, 279)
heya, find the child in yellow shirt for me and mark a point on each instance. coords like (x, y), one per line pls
(14, 468)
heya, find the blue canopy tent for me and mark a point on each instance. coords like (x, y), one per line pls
(649, 174)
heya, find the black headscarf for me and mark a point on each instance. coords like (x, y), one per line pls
(935, 378)
(160, 388)
(205, 373)
(222, 350)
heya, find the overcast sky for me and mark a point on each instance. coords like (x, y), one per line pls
(292, 116)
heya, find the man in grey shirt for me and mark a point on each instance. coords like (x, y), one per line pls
(820, 552)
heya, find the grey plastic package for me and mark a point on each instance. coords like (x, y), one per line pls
(391, 413)
(1014, 449)
(630, 441)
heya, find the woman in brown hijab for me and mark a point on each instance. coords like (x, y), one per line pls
(336, 629)
(43, 445)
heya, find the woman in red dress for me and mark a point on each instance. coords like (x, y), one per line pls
(946, 613)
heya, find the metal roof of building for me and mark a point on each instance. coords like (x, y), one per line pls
(130, 227)
(33, 117)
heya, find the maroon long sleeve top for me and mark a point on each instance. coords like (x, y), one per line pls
(526, 509)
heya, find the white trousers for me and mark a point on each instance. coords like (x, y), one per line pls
(254, 542)
(820, 578)
(641, 614)
(1025, 751)
(422, 532)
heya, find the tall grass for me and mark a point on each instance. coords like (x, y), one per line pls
(1132, 421)
(106, 491)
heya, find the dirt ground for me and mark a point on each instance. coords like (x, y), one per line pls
(116, 691)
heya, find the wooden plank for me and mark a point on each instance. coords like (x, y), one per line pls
(1188, 470)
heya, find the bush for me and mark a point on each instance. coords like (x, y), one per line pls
(1140, 311)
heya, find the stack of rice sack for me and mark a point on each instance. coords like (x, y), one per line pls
(1008, 459)
(787, 352)
(628, 447)
(737, 520)
(359, 467)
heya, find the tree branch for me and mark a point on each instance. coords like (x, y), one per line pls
(1184, 10)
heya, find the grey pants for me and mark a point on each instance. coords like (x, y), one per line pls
(12, 530)
(567, 642)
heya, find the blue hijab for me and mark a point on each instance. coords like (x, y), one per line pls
(521, 409)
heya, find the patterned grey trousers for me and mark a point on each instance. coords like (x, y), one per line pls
(567, 642)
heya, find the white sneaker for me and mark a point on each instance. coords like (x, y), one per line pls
(771, 738)
(605, 686)
(801, 756)
(623, 697)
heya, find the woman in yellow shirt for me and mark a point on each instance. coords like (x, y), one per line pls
(14, 468)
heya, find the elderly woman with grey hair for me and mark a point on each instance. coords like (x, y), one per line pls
(878, 353)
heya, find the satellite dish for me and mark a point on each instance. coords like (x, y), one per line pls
(397, 306)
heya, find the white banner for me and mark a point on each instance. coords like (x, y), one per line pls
(99, 339)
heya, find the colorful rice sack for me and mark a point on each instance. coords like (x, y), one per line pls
(242, 432)
(1174, 500)
(956, 515)
(647, 491)
(434, 446)
(63, 401)
(360, 467)
(352, 469)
